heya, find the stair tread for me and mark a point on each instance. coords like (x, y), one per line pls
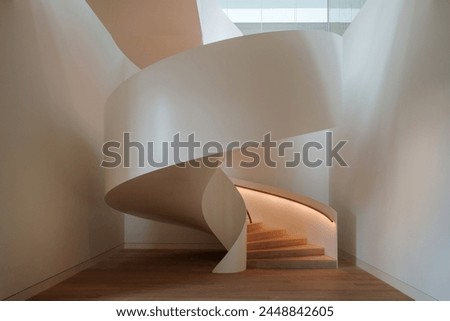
(304, 262)
(265, 235)
(257, 226)
(298, 258)
(288, 248)
(299, 250)
(264, 230)
(275, 243)
(255, 223)
(285, 238)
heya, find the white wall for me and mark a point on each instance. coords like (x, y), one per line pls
(58, 65)
(393, 204)
(302, 180)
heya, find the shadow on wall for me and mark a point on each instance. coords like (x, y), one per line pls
(144, 231)
(397, 184)
(52, 214)
(369, 142)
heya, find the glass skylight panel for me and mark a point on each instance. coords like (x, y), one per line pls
(291, 14)
(278, 11)
(244, 15)
(278, 15)
(312, 15)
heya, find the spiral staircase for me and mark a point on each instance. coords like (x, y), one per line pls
(234, 90)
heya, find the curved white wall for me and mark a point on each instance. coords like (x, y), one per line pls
(227, 92)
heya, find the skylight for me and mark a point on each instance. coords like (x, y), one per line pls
(291, 14)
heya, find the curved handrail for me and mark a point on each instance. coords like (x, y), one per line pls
(249, 217)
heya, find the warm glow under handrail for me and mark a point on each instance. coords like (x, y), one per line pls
(323, 209)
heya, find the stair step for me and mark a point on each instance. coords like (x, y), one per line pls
(265, 234)
(305, 262)
(276, 243)
(254, 227)
(291, 251)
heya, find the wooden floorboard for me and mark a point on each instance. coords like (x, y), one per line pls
(186, 275)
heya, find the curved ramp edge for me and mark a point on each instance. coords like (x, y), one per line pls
(225, 212)
(215, 25)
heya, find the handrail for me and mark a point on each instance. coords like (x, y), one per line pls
(249, 217)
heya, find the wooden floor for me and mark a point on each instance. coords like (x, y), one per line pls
(186, 275)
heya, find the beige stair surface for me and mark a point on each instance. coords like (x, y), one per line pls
(276, 243)
(265, 234)
(305, 262)
(270, 248)
(289, 251)
(257, 226)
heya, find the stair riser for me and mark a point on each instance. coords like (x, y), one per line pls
(259, 236)
(275, 244)
(281, 253)
(291, 264)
